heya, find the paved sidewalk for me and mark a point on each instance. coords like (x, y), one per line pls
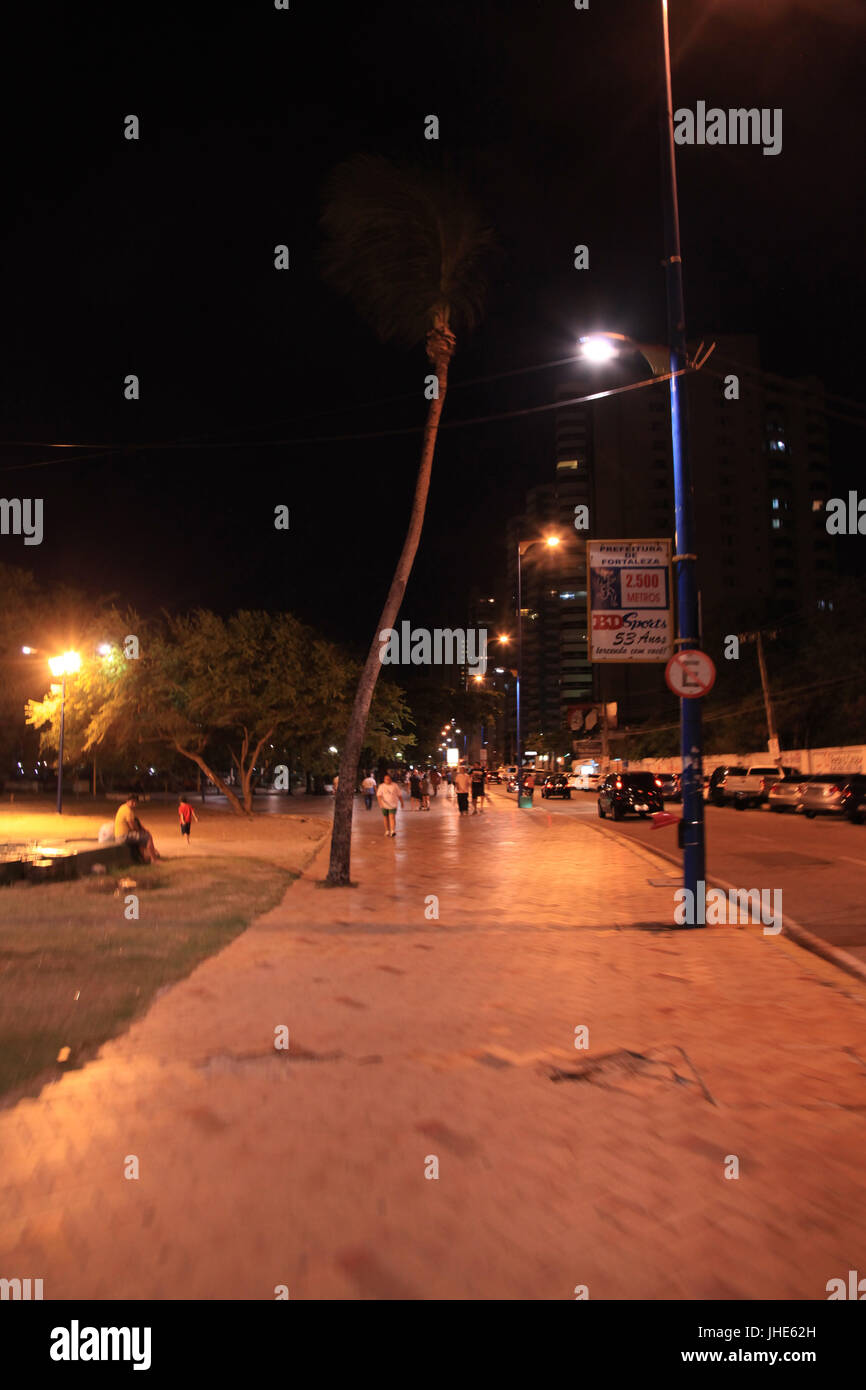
(413, 1038)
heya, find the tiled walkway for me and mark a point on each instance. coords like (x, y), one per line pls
(415, 1038)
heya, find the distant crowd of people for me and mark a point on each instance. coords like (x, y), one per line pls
(463, 782)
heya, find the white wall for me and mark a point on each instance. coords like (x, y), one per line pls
(851, 758)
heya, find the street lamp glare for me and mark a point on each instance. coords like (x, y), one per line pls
(65, 665)
(552, 540)
(597, 348)
(26, 651)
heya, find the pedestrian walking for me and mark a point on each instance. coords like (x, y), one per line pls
(415, 789)
(478, 783)
(389, 797)
(529, 785)
(462, 784)
(187, 815)
(425, 791)
(449, 778)
(435, 779)
(368, 787)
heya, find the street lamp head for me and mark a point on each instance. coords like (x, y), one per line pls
(503, 637)
(598, 347)
(65, 665)
(27, 651)
(552, 540)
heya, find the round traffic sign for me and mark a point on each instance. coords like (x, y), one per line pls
(690, 674)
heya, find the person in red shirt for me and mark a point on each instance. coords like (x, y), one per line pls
(187, 816)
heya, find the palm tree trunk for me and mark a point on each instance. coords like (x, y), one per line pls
(212, 776)
(440, 348)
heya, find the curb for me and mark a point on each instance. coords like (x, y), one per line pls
(801, 935)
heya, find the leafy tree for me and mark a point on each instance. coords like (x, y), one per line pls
(214, 691)
(405, 247)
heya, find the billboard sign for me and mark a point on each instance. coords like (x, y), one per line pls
(630, 601)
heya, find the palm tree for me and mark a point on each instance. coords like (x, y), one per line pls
(405, 247)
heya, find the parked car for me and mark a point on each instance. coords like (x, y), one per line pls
(584, 781)
(557, 785)
(629, 793)
(832, 793)
(751, 788)
(717, 777)
(856, 807)
(668, 784)
(786, 795)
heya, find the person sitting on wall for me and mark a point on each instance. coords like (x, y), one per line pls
(129, 830)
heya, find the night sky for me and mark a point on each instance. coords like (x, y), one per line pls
(156, 257)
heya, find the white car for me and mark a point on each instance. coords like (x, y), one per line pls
(584, 781)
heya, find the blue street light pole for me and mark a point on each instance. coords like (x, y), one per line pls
(522, 547)
(60, 751)
(688, 615)
(519, 668)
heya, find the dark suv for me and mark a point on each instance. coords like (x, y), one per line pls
(629, 793)
(715, 791)
(557, 785)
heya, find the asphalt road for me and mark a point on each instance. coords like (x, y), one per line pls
(818, 864)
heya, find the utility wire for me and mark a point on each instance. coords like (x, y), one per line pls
(352, 438)
(203, 441)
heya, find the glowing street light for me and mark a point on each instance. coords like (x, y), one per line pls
(672, 361)
(598, 347)
(65, 665)
(551, 541)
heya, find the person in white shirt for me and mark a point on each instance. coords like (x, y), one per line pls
(462, 783)
(389, 797)
(368, 787)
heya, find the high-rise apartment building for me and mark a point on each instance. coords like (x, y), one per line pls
(760, 465)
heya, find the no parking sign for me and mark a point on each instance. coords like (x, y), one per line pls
(690, 674)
